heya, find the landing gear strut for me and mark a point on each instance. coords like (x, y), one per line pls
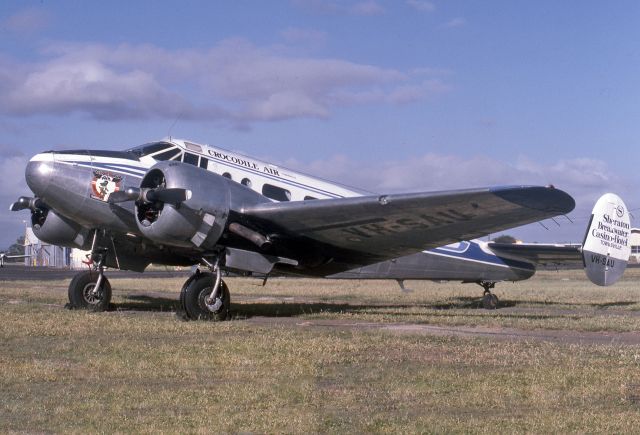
(489, 300)
(205, 296)
(90, 289)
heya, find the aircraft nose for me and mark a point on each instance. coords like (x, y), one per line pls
(38, 173)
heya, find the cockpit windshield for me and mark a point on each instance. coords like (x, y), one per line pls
(151, 148)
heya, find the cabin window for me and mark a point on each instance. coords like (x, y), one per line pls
(275, 192)
(246, 182)
(172, 154)
(204, 163)
(190, 159)
(227, 175)
(307, 198)
(635, 249)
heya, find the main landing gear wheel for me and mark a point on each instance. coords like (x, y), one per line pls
(84, 295)
(195, 297)
(489, 301)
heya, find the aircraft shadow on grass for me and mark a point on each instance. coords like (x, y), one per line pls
(288, 309)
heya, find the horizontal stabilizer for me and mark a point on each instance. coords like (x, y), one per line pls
(539, 253)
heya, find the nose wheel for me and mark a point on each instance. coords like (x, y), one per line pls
(88, 291)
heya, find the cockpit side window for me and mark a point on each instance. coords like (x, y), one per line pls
(191, 159)
(172, 154)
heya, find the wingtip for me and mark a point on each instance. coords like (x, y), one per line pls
(543, 198)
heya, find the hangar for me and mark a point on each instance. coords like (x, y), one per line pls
(635, 246)
(43, 254)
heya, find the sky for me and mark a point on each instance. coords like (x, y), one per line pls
(389, 96)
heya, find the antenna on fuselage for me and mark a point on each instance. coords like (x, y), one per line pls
(173, 125)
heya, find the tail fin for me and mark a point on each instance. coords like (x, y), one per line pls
(606, 247)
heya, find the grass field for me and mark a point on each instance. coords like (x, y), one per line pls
(138, 368)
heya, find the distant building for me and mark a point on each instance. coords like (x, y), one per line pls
(44, 254)
(47, 255)
(635, 246)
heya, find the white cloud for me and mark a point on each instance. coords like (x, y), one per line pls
(455, 22)
(286, 104)
(369, 7)
(89, 86)
(27, 21)
(12, 166)
(433, 171)
(234, 82)
(584, 179)
(410, 93)
(422, 5)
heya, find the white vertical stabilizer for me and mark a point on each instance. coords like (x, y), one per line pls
(606, 246)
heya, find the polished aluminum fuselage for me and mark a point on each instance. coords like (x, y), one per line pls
(66, 182)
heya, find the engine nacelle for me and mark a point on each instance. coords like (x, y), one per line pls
(52, 228)
(197, 222)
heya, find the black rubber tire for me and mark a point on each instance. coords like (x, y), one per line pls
(490, 301)
(192, 296)
(79, 297)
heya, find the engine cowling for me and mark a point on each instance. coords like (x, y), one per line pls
(52, 228)
(197, 222)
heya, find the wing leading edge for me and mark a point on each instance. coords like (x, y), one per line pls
(363, 230)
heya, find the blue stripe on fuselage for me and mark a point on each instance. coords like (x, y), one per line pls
(119, 166)
(104, 167)
(471, 251)
(139, 171)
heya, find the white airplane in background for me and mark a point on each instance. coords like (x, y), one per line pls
(4, 257)
(176, 202)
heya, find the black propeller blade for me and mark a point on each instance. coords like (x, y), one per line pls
(25, 202)
(159, 194)
(170, 196)
(129, 194)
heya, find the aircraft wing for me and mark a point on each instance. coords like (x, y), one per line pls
(539, 253)
(364, 230)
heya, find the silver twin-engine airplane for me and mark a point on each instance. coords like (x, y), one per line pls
(176, 202)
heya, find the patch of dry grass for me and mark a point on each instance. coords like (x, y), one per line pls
(551, 300)
(145, 371)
